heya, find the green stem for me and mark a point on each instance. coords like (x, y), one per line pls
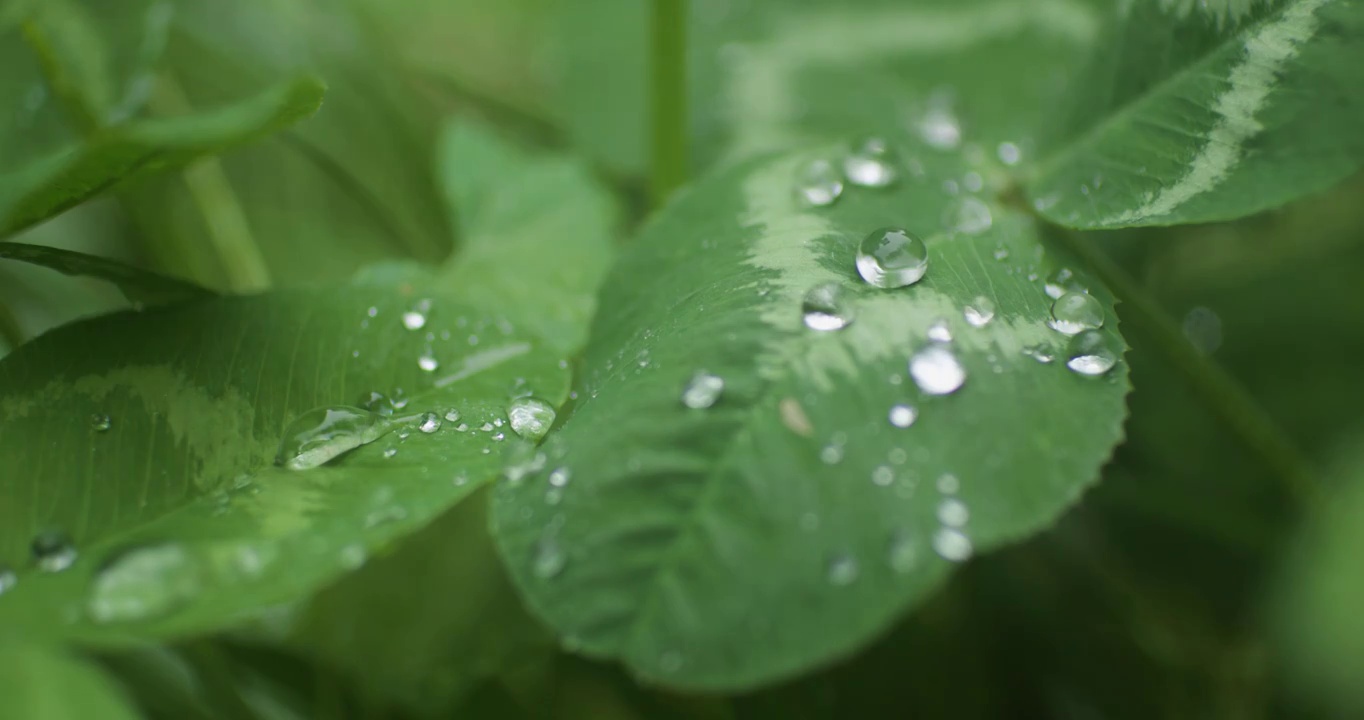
(669, 97)
(1219, 391)
(10, 331)
(64, 87)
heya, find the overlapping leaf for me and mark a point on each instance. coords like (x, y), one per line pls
(1194, 115)
(138, 285)
(788, 524)
(40, 682)
(150, 440)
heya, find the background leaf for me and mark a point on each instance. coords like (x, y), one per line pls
(40, 682)
(197, 397)
(791, 522)
(1191, 118)
(137, 285)
(112, 156)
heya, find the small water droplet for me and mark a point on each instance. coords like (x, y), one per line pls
(143, 583)
(937, 371)
(948, 484)
(430, 422)
(902, 416)
(390, 453)
(398, 401)
(499, 437)
(375, 402)
(939, 332)
(979, 312)
(427, 361)
(403, 434)
(968, 215)
(352, 556)
(1009, 153)
(870, 165)
(1076, 312)
(826, 307)
(953, 512)
(903, 554)
(1040, 352)
(883, 475)
(1001, 253)
(819, 184)
(702, 391)
(530, 418)
(53, 551)
(8, 578)
(452, 415)
(1093, 353)
(415, 319)
(1203, 328)
(892, 258)
(939, 128)
(952, 545)
(842, 570)
(100, 423)
(319, 436)
(559, 477)
(832, 454)
(1060, 282)
(549, 559)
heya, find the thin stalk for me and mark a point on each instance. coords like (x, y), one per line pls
(1218, 391)
(669, 97)
(64, 87)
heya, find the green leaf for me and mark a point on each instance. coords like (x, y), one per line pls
(791, 522)
(56, 183)
(603, 93)
(141, 286)
(197, 398)
(538, 233)
(39, 682)
(1209, 115)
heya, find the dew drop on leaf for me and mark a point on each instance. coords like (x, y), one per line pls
(892, 258)
(1076, 312)
(390, 453)
(1040, 352)
(53, 551)
(8, 578)
(870, 164)
(702, 391)
(968, 215)
(427, 361)
(1060, 282)
(143, 583)
(530, 418)
(559, 477)
(902, 554)
(415, 319)
(1009, 153)
(937, 371)
(826, 307)
(902, 416)
(883, 475)
(100, 423)
(1093, 353)
(953, 512)
(819, 184)
(452, 415)
(429, 423)
(318, 436)
(549, 559)
(842, 570)
(375, 402)
(939, 332)
(952, 545)
(939, 128)
(948, 484)
(979, 312)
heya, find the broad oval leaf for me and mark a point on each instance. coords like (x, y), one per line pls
(41, 682)
(111, 156)
(138, 285)
(791, 521)
(157, 432)
(1209, 112)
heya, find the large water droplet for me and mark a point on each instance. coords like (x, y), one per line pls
(968, 215)
(1076, 312)
(892, 258)
(143, 583)
(1093, 353)
(953, 512)
(936, 370)
(429, 423)
(549, 559)
(702, 391)
(531, 418)
(870, 165)
(842, 570)
(415, 319)
(819, 184)
(979, 312)
(952, 544)
(319, 436)
(902, 416)
(100, 423)
(53, 551)
(826, 307)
